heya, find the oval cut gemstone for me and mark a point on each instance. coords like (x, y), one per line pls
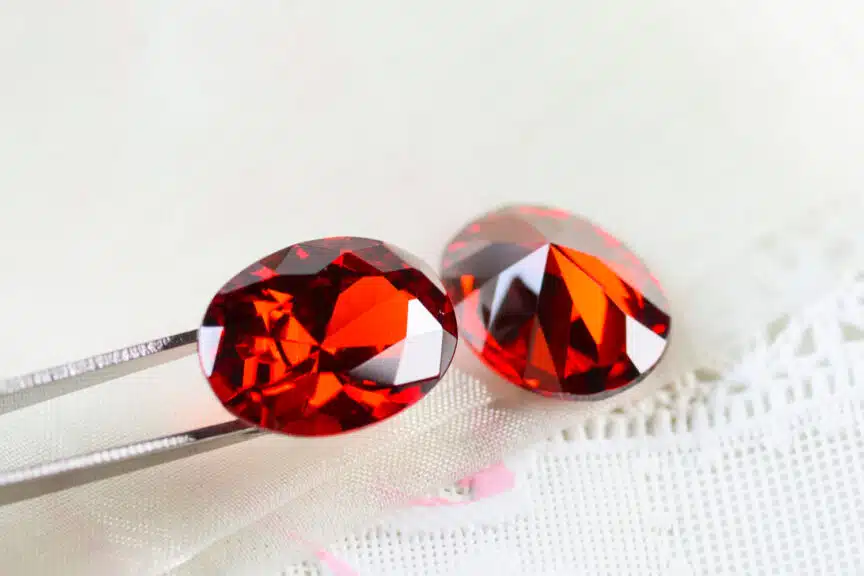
(554, 304)
(327, 336)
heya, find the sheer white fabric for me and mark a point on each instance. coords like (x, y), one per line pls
(721, 143)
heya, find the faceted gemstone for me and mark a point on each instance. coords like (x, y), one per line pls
(554, 304)
(327, 336)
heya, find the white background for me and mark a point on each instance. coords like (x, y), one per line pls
(150, 150)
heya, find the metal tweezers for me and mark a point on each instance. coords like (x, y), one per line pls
(31, 481)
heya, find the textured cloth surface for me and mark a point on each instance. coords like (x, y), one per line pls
(760, 474)
(151, 150)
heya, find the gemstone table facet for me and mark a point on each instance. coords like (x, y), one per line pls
(553, 303)
(327, 336)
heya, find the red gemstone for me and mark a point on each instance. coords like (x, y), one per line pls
(555, 304)
(327, 336)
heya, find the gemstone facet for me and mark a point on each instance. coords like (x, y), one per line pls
(327, 336)
(554, 304)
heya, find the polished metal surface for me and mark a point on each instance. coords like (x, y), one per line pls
(29, 389)
(33, 481)
(44, 478)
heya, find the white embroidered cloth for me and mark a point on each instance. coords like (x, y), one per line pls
(151, 150)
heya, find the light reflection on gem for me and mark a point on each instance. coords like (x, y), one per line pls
(327, 336)
(554, 303)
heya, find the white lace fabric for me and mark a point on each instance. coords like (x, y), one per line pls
(721, 143)
(755, 471)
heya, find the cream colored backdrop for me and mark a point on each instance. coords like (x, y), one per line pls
(150, 150)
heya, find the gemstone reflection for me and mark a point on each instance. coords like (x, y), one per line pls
(327, 336)
(555, 304)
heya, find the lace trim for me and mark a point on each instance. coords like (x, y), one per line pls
(780, 369)
(777, 365)
(815, 354)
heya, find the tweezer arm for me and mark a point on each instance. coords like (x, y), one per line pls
(44, 478)
(42, 385)
(32, 481)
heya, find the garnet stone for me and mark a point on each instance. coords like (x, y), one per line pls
(327, 336)
(554, 304)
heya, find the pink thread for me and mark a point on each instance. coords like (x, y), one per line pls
(487, 483)
(337, 567)
(490, 482)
